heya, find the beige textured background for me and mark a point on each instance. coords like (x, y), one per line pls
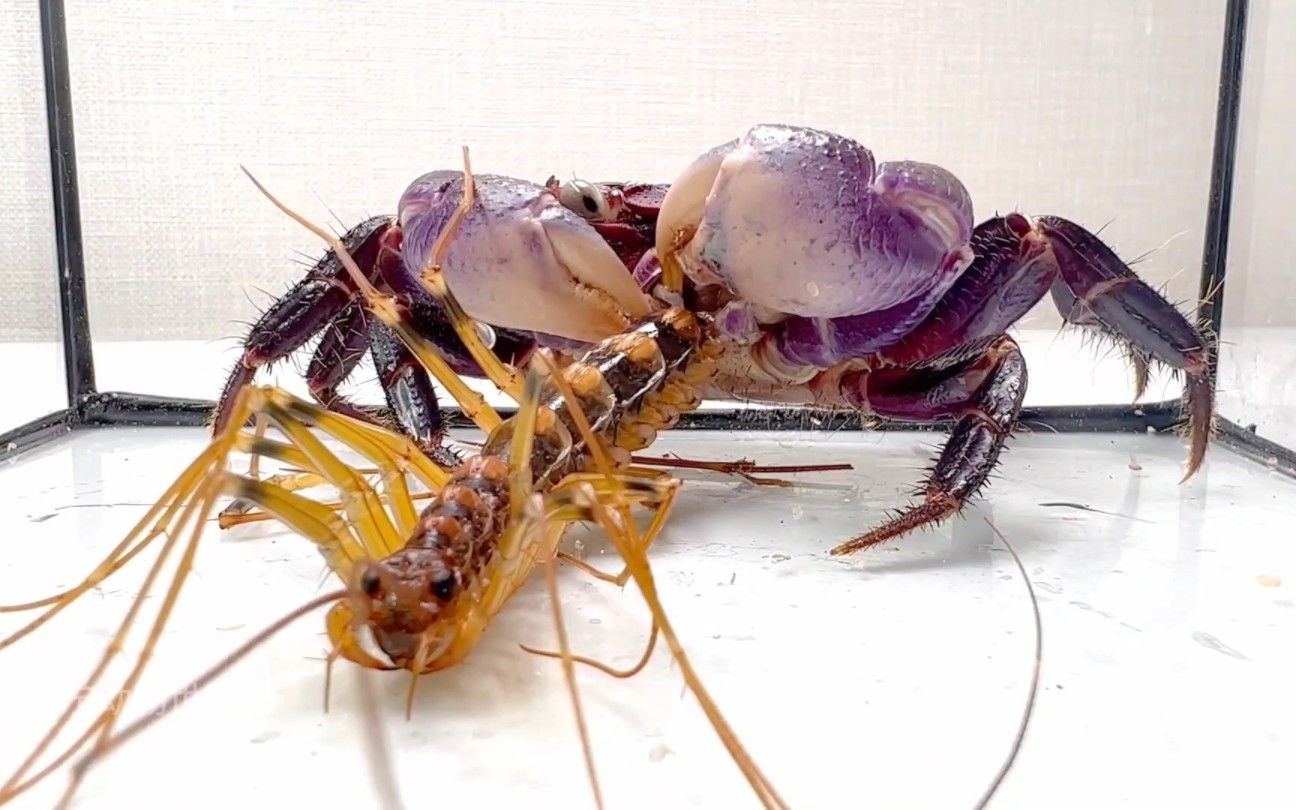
(1262, 242)
(1101, 111)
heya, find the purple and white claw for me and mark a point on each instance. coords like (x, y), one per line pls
(806, 223)
(520, 260)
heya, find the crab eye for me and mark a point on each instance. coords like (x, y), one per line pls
(443, 586)
(585, 199)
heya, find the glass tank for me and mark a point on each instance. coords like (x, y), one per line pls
(899, 584)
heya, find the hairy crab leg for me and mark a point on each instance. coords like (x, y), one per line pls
(341, 348)
(937, 371)
(985, 421)
(1020, 260)
(411, 397)
(295, 318)
(1101, 288)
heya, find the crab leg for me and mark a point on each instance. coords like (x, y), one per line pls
(985, 420)
(301, 314)
(409, 391)
(1102, 288)
(1017, 263)
(340, 350)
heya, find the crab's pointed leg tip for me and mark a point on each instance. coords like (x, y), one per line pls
(1194, 465)
(847, 548)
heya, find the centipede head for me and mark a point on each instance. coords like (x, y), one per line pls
(415, 600)
(410, 606)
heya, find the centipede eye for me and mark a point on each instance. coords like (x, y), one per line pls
(369, 582)
(443, 586)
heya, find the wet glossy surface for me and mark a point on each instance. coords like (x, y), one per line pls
(895, 679)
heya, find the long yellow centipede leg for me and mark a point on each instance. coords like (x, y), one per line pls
(394, 453)
(624, 535)
(670, 487)
(239, 507)
(193, 492)
(187, 503)
(661, 513)
(324, 527)
(622, 532)
(160, 515)
(343, 545)
(385, 308)
(503, 377)
(198, 483)
(206, 480)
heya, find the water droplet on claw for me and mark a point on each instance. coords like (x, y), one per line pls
(813, 289)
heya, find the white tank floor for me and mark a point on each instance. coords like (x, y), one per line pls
(895, 679)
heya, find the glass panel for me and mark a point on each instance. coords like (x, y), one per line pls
(31, 352)
(1098, 112)
(1257, 379)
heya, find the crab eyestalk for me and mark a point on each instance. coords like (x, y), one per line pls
(624, 215)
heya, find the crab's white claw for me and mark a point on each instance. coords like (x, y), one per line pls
(804, 222)
(683, 207)
(520, 260)
(601, 296)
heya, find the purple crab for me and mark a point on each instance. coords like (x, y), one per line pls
(841, 281)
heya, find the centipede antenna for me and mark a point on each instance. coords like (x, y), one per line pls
(184, 484)
(1020, 737)
(357, 275)
(380, 762)
(119, 739)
